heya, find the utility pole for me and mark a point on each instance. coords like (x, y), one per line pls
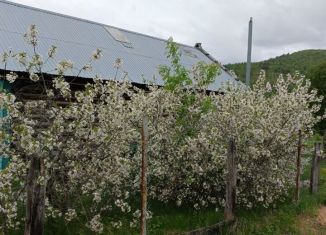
(248, 67)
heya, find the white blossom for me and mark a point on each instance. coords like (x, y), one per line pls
(97, 54)
(52, 51)
(32, 35)
(96, 225)
(70, 214)
(11, 77)
(34, 77)
(63, 66)
(118, 63)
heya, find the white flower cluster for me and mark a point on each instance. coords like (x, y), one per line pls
(70, 215)
(32, 35)
(4, 57)
(22, 58)
(96, 225)
(97, 54)
(63, 86)
(118, 63)
(52, 51)
(63, 66)
(34, 77)
(11, 77)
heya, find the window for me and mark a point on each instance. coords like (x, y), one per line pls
(119, 36)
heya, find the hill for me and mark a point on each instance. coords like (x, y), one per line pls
(301, 61)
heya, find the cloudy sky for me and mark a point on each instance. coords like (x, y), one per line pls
(280, 26)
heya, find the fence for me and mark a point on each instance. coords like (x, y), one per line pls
(315, 168)
(229, 222)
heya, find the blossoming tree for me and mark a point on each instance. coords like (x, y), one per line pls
(75, 153)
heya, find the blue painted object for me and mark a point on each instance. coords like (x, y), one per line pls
(4, 87)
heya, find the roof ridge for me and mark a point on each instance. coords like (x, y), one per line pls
(85, 20)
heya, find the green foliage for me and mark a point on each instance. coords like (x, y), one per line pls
(317, 76)
(183, 82)
(205, 73)
(301, 61)
(177, 75)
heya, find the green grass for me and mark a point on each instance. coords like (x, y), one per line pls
(173, 220)
(169, 219)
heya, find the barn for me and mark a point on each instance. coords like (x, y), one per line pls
(76, 39)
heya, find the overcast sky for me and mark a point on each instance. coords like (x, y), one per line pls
(280, 26)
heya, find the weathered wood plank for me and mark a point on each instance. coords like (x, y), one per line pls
(314, 175)
(231, 181)
(144, 139)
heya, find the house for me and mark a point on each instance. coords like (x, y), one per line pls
(76, 39)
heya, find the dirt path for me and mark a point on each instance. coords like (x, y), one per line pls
(313, 224)
(321, 218)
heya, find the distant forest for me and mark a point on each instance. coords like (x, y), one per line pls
(302, 61)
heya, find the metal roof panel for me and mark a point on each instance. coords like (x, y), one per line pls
(76, 39)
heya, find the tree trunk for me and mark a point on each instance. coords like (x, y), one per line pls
(35, 204)
(231, 181)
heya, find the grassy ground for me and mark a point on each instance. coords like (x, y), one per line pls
(287, 218)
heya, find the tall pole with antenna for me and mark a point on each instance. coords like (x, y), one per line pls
(248, 67)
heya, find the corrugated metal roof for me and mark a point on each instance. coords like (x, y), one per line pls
(76, 39)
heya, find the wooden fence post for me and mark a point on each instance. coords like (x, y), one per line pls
(143, 184)
(324, 141)
(231, 181)
(314, 175)
(297, 180)
(35, 202)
